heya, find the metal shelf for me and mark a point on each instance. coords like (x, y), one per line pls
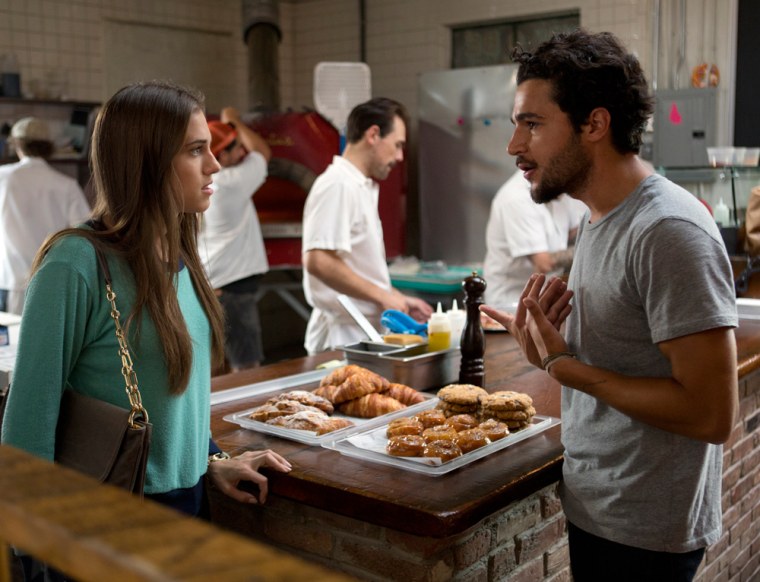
(58, 102)
(706, 174)
(714, 175)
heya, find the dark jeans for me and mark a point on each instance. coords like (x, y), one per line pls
(3, 300)
(192, 501)
(36, 571)
(594, 559)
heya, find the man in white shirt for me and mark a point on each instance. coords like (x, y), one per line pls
(523, 237)
(35, 201)
(231, 245)
(343, 249)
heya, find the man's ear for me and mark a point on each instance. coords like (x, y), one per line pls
(598, 124)
(372, 134)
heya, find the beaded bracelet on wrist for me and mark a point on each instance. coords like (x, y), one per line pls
(547, 362)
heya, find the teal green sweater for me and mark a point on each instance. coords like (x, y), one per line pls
(67, 339)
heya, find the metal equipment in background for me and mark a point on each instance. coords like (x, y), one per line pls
(304, 143)
(338, 88)
(464, 128)
(684, 126)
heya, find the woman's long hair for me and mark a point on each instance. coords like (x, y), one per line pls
(137, 134)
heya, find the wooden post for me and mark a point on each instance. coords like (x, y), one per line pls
(93, 532)
(5, 562)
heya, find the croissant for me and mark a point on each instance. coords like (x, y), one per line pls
(359, 384)
(327, 391)
(371, 405)
(339, 375)
(404, 394)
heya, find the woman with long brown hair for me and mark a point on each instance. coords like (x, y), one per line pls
(152, 173)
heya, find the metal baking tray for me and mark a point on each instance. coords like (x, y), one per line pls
(311, 438)
(410, 365)
(368, 444)
(303, 381)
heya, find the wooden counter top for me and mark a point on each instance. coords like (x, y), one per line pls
(748, 346)
(410, 502)
(99, 532)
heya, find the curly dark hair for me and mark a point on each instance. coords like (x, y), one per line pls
(588, 71)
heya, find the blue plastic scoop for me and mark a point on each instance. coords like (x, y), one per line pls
(399, 322)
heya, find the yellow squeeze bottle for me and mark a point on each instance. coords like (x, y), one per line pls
(439, 331)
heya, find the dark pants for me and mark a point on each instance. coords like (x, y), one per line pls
(594, 559)
(243, 343)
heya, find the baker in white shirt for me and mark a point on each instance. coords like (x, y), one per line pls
(35, 201)
(343, 250)
(523, 237)
(231, 244)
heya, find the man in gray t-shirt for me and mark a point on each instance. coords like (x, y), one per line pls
(648, 360)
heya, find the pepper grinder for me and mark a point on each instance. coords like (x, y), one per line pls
(473, 343)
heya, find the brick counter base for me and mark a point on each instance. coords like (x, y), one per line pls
(525, 542)
(736, 556)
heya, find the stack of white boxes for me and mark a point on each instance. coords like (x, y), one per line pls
(11, 324)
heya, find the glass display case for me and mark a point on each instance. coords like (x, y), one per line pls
(731, 184)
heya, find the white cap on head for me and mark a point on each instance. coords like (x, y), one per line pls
(31, 129)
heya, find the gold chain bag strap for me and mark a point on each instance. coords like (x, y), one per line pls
(127, 369)
(100, 439)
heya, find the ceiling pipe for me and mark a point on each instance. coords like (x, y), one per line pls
(362, 31)
(262, 34)
(656, 13)
(681, 44)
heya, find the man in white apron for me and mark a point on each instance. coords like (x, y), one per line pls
(343, 250)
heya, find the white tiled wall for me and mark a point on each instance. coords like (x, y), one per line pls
(408, 37)
(405, 38)
(60, 42)
(324, 30)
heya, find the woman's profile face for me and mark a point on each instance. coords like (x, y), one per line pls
(194, 166)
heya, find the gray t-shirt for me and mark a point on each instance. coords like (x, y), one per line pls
(653, 269)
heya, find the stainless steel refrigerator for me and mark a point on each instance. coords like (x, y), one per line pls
(464, 128)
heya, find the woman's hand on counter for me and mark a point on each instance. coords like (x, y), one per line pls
(227, 475)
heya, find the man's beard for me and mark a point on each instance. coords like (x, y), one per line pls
(380, 173)
(567, 172)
